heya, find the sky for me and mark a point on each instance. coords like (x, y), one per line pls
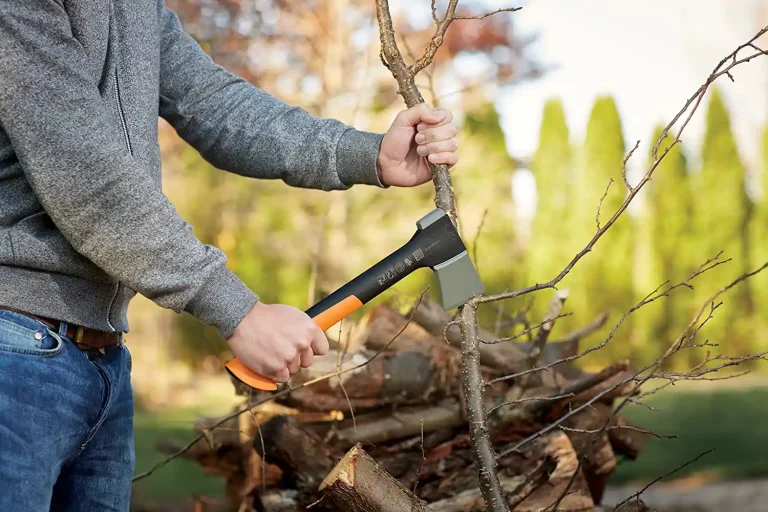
(651, 55)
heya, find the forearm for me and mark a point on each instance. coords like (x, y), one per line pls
(242, 129)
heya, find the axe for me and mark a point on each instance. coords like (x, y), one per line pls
(436, 244)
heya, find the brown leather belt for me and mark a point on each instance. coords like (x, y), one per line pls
(84, 337)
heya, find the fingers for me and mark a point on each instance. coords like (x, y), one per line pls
(281, 376)
(438, 133)
(448, 159)
(306, 357)
(443, 146)
(319, 343)
(438, 143)
(294, 365)
(423, 114)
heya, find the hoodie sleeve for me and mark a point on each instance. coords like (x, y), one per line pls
(240, 128)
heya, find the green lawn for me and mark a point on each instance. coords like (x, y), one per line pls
(733, 422)
(179, 478)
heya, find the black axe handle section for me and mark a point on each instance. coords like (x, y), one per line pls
(431, 245)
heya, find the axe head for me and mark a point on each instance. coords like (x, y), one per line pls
(446, 254)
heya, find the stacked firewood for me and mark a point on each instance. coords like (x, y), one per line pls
(387, 433)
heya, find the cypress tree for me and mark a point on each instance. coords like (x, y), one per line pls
(551, 166)
(721, 214)
(667, 221)
(602, 280)
(757, 237)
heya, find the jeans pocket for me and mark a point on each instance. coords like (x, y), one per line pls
(23, 335)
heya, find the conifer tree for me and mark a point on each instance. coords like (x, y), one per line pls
(667, 221)
(721, 214)
(551, 167)
(602, 280)
(758, 243)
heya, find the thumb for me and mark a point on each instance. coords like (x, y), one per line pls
(421, 113)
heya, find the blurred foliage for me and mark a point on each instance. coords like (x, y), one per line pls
(666, 233)
(293, 245)
(721, 214)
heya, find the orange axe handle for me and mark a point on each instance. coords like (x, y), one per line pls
(325, 320)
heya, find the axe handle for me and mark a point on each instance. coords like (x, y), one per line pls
(342, 303)
(325, 320)
(427, 247)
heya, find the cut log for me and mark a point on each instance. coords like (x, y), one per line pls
(358, 484)
(600, 461)
(505, 357)
(300, 453)
(383, 324)
(404, 377)
(403, 423)
(626, 441)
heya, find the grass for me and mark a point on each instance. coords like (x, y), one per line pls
(733, 422)
(179, 478)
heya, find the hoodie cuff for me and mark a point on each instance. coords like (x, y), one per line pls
(222, 302)
(357, 155)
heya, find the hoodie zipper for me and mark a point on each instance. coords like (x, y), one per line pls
(122, 114)
(130, 150)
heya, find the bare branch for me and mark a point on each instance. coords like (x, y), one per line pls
(482, 16)
(655, 480)
(553, 312)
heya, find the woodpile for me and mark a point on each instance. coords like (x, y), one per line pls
(391, 436)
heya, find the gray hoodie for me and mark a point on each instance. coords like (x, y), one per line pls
(84, 224)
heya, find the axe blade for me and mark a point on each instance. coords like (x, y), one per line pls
(458, 280)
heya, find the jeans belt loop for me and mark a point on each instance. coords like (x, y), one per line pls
(62, 329)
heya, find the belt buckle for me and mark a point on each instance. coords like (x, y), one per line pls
(83, 346)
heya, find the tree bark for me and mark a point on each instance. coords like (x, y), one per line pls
(358, 484)
(474, 388)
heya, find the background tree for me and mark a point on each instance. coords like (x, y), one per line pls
(603, 280)
(666, 245)
(721, 214)
(758, 237)
(551, 242)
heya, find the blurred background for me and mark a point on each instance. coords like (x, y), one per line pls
(548, 100)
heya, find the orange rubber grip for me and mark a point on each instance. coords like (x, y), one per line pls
(324, 320)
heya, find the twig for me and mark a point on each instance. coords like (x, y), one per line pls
(553, 312)
(705, 267)
(585, 331)
(525, 331)
(655, 480)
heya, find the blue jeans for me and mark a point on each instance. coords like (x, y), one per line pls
(66, 421)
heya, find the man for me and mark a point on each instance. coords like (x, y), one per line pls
(84, 225)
